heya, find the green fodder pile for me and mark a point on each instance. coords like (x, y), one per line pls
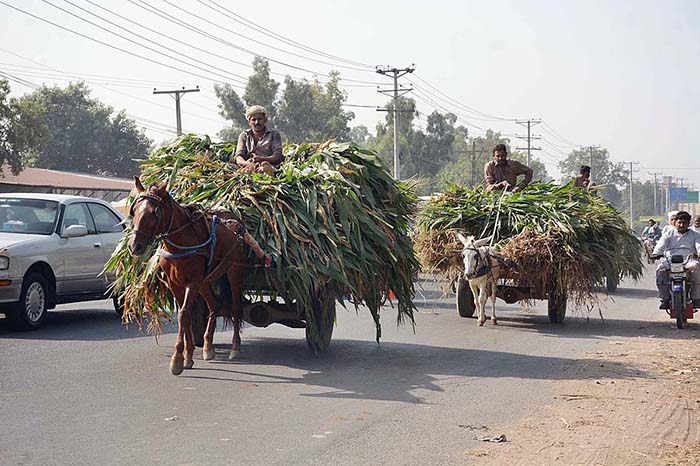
(332, 216)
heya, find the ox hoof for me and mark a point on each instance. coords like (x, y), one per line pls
(176, 366)
(208, 354)
(189, 363)
(234, 354)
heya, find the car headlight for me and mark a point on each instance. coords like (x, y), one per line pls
(4, 263)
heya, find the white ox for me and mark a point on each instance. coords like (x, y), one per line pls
(482, 271)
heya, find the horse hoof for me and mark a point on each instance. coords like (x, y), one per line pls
(189, 363)
(481, 323)
(208, 354)
(176, 366)
(495, 322)
(234, 354)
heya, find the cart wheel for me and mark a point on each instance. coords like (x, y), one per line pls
(324, 316)
(611, 282)
(678, 308)
(465, 298)
(200, 316)
(556, 306)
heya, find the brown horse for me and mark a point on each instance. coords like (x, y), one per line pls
(196, 251)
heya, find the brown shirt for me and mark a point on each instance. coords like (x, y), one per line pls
(509, 172)
(269, 144)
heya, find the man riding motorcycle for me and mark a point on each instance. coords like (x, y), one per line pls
(679, 241)
(651, 232)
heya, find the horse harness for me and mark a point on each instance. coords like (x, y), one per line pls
(207, 247)
(483, 263)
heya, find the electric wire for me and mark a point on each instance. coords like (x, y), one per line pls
(248, 23)
(225, 75)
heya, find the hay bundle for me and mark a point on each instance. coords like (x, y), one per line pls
(551, 232)
(332, 215)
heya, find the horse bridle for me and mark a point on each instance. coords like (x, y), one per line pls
(482, 266)
(159, 203)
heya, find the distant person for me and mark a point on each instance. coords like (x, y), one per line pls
(671, 223)
(651, 232)
(259, 148)
(682, 241)
(502, 173)
(583, 180)
(696, 224)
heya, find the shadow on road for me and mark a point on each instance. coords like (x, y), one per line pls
(394, 371)
(581, 325)
(80, 325)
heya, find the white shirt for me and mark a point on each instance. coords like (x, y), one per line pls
(696, 229)
(676, 243)
(667, 229)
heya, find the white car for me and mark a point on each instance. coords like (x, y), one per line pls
(52, 250)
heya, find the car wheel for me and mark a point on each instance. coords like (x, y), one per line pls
(118, 306)
(30, 310)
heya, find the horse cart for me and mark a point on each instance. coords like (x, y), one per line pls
(262, 308)
(512, 293)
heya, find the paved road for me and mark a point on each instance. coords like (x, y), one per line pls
(84, 391)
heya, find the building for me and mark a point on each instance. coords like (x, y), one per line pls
(40, 180)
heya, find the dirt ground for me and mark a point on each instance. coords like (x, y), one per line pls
(636, 403)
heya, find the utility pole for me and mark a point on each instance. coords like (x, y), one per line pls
(590, 157)
(529, 124)
(178, 95)
(632, 171)
(473, 154)
(656, 188)
(396, 93)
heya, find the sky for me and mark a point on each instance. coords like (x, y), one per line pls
(617, 74)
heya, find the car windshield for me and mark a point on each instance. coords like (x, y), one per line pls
(29, 216)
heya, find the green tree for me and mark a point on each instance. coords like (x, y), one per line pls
(605, 172)
(231, 108)
(261, 88)
(539, 170)
(384, 141)
(360, 135)
(84, 136)
(642, 200)
(311, 111)
(295, 114)
(471, 155)
(22, 133)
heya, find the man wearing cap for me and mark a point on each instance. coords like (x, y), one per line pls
(259, 148)
(671, 223)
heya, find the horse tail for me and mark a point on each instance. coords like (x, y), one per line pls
(224, 299)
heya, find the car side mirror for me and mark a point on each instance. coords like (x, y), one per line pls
(75, 231)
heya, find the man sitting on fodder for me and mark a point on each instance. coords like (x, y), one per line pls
(680, 241)
(583, 180)
(259, 148)
(501, 173)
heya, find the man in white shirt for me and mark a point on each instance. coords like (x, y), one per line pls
(696, 224)
(680, 241)
(671, 219)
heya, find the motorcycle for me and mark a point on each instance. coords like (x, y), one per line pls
(681, 304)
(649, 244)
